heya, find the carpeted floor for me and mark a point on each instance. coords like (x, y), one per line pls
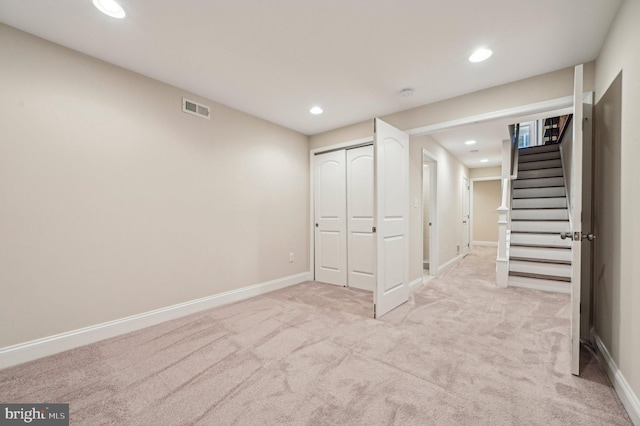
(460, 352)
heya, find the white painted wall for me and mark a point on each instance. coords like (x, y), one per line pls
(114, 202)
(617, 321)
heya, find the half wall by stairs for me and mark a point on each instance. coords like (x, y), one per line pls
(538, 257)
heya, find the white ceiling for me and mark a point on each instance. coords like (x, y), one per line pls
(275, 59)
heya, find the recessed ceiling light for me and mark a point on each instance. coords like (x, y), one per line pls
(316, 110)
(480, 55)
(110, 8)
(470, 142)
(484, 160)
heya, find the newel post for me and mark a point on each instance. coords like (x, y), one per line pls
(502, 261)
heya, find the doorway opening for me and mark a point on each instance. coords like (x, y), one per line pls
(429, 215)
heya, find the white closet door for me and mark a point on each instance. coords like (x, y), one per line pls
(331, 218)
(361, 239)
(391, 161)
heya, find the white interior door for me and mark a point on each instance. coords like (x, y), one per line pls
(330, 218)
(391, 162)
(576, 220)
(466, 215)
(361, 243)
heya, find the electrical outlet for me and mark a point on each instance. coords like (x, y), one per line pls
(291, 257)
(458, 248)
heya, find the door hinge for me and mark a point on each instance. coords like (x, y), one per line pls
(374, 310)
(373, 229)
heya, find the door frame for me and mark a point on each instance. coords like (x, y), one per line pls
(433, 209)
(472, 213)
(466, 200)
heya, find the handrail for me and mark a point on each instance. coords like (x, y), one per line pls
(564, 128)
(514, 131)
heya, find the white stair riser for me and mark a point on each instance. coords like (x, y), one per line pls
(537, 183)
(540, 268)
(527, 174)
(557, 191)
(557, 214)
(535, 165)
(539, 203)
(533, 226)
(553, 155)
(541, 253)
(538, 284)
(540, 239)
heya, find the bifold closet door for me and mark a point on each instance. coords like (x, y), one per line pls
(330, 218)
(361, 253)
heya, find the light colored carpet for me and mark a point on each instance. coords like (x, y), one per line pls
(461, 352)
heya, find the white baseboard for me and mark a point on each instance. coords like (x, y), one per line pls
(415, 284)
(444, 268)
(627, 396)
(485, 243)
(28, 351)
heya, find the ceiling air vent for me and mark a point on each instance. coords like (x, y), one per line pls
(194, 108)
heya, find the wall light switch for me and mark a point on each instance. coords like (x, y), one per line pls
(291, 257)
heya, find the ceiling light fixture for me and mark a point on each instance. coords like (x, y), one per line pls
(484, 160)
(480, 55)
(110, 8)
(316, 110)
(470, 142)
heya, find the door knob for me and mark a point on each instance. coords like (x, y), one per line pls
(565, 235)
(589, 237)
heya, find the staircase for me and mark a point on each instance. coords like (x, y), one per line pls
(538, 257)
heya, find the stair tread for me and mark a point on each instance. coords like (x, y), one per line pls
(536, 232)
(539, 220)
(539, 177)
(537, 260)
(539, 208)
(543, 246)
(539, 276)
(541, 186)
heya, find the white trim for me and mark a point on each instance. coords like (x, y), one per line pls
(472, 183)
(28, 351)
(534, 108)
(341, 145)
(434, 241)
(415, 284)
(485, 243)
(626, 394)
(444, 268)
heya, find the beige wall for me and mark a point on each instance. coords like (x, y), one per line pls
(114, 202)
(618, 290)
(487, 196)
(483, 172)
